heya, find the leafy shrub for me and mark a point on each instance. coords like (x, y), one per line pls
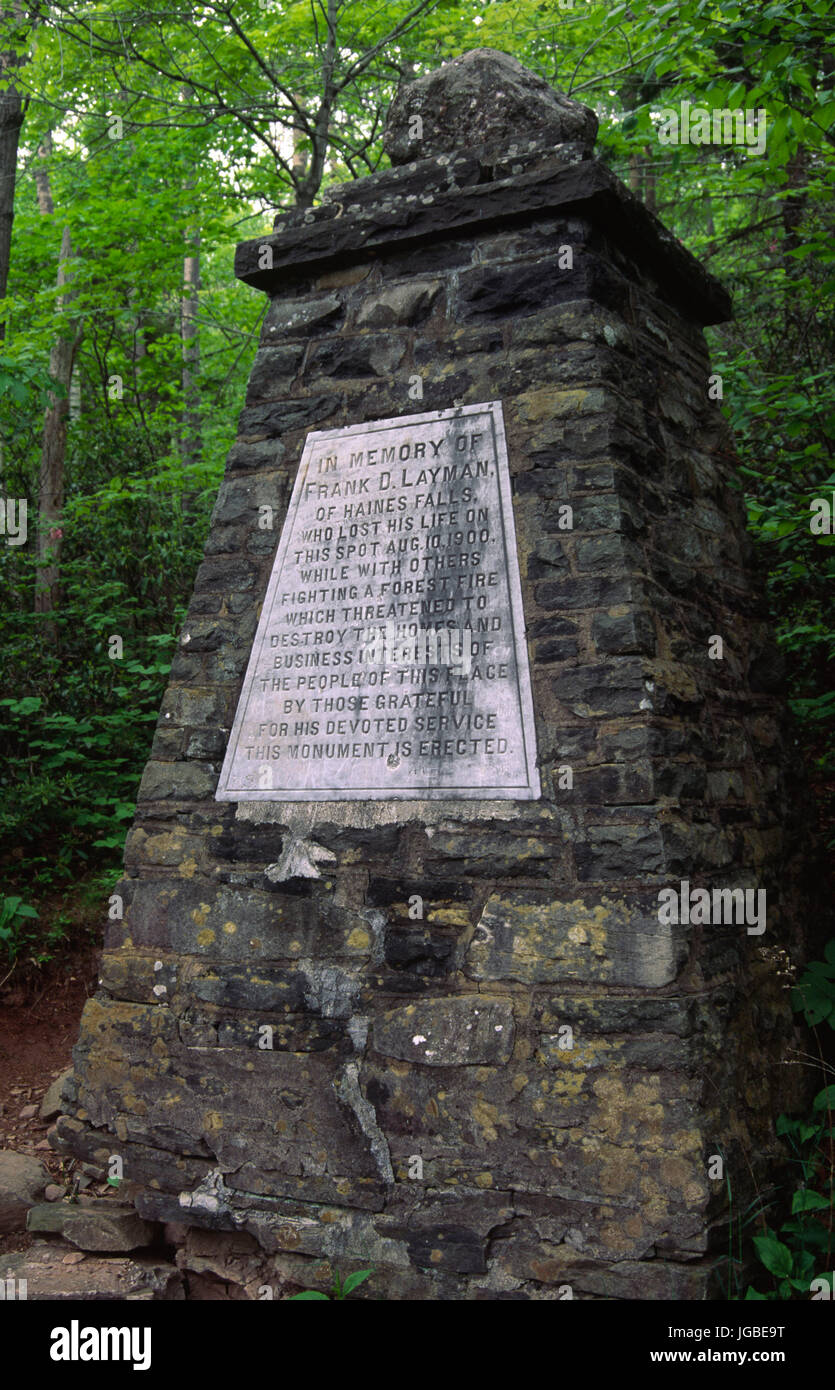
(800, 1257)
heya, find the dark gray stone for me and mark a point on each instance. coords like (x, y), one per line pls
(487, 100)
(22, 1182)
(448, 1032)
(102, 1224)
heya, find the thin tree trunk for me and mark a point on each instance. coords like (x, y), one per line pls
(42, 183)
(12, 111)
(51, 480)
(191, 425)
(190, 337)
(635, 174)
(299, 161)
(75, 395)
(649, 181)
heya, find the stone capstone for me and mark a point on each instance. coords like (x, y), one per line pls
(487, 101)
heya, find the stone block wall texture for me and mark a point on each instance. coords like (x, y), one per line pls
(542, 1168)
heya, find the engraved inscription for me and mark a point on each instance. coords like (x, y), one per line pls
(390, 659)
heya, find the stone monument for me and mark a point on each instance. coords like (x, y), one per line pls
(473, 708)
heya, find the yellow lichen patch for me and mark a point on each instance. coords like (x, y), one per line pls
(131, 1102)
(487, 1117)
(343, 1186)
(205, 937)
(359, 940)
(449, 917)
(687, 1141)
(295, 946)
(166, 848)
(567, 1085)
(618, 1169)
(617, 1238)
(436, 1256)
(200, 914)
(519, 1083)
(549, 402)
(187, 867)
(216, 830)
(327, 1217)
(611, 1113)
(230, 928)
(212, 1121)
(484, 1179)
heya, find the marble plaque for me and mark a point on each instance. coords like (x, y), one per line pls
(390, 660)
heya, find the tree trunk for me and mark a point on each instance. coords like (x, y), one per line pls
(635, 174)
(51, 480)
(12, 112)
(649, 181)
(191, 425)
(42, 183)
(190, 439)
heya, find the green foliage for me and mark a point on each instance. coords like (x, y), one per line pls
(814, 993)
(340, 1288)
(804, 1248)
(15, 926)
(202, 100)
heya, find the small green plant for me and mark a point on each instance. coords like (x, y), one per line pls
(800, 1257)
(15, 934)
(340, 1288)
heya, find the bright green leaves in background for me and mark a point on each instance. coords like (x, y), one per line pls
(230, 111)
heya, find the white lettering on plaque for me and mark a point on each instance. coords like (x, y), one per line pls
(390, 660)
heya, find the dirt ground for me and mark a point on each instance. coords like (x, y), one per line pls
(39, 1021)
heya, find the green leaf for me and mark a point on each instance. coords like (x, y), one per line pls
(354, 1280)
(776, 1256)
(825, 1099)
(807, 1200)
(309, 1296)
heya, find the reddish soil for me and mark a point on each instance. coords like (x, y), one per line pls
(39, 1020)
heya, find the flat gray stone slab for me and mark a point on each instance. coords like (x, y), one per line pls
(101, 1225)
(50, 1277)
(390, 660)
